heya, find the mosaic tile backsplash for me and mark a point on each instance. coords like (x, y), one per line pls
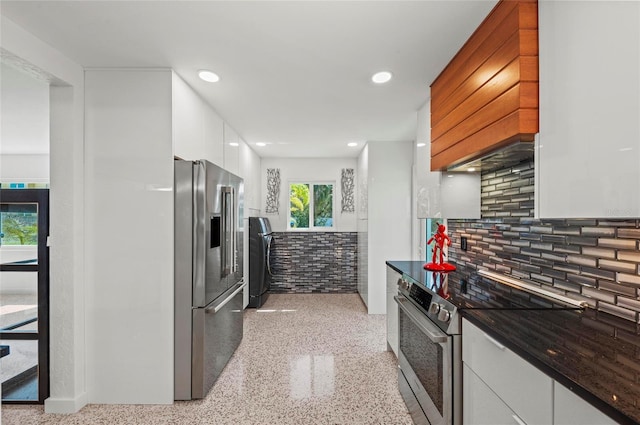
(592, 260)
(314, 262)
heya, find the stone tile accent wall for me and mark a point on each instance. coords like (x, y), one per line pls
(310, 262)
(592, 260)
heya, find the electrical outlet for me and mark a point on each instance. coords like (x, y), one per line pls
(463, 243)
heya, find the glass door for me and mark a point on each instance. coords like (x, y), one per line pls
(24, 295)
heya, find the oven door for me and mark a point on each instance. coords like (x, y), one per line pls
(425, 360)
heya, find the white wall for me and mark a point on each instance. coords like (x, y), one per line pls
(24, 151)
(31, 168)
(25, 112)
(312, 170)
(250, 172)
(129, 180)
(250, 164)
(67, 355)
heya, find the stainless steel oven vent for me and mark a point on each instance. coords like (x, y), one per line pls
(502, 158)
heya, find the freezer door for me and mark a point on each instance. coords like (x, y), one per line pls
(209, 275)
(217, 332)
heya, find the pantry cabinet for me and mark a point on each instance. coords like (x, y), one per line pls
(384, 216)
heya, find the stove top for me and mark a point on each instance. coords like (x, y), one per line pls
(441, 296)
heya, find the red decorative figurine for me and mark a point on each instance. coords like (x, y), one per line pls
(437, 261)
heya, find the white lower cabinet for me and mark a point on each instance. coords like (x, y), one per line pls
(481, 406)
(524, 388)
(569, 409)
(392, 309)
(500, 387)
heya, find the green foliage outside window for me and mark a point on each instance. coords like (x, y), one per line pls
(323, 205)
(299, 198)
(19, 228)
(307, 200)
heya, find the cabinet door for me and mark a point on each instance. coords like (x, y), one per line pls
(481, 406)
(392, 309)
(588, 148)
(231, 150)
(525, 389)
(569, 409)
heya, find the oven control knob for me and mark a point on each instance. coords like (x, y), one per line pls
(444, 315)
(434, 308)
(403, 284)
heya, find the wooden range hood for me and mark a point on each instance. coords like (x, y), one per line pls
(487, 96)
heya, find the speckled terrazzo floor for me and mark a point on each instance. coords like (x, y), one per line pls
(305, 359)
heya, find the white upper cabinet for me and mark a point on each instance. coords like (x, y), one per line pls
(231, 150)
(213, 137)
(438, 194)
(588, 150)
(197, 128)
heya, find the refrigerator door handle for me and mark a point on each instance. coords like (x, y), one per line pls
(232, 231)
(199, 230)
(216, 308)
(228, 217)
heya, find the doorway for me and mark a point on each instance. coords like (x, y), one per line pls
(24, 295)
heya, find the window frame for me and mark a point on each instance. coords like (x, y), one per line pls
(312, 227)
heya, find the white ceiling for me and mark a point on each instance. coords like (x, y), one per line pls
(294, 74)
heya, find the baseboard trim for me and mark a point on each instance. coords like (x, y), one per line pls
(65, 405)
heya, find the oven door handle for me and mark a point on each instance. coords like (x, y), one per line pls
(434, 334)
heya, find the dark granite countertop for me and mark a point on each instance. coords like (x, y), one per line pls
(594, 354)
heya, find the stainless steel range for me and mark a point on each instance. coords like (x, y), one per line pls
(430, 311)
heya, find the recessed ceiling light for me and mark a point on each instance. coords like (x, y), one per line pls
(208, 76)
(421, 145)
(381, 77)
(471, 169)
(261, 144)
(234, 144)
(352, 144)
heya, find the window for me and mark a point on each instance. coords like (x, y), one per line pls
(18, 224)
(310, 205)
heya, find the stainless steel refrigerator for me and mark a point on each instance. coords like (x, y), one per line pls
(207, 273)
